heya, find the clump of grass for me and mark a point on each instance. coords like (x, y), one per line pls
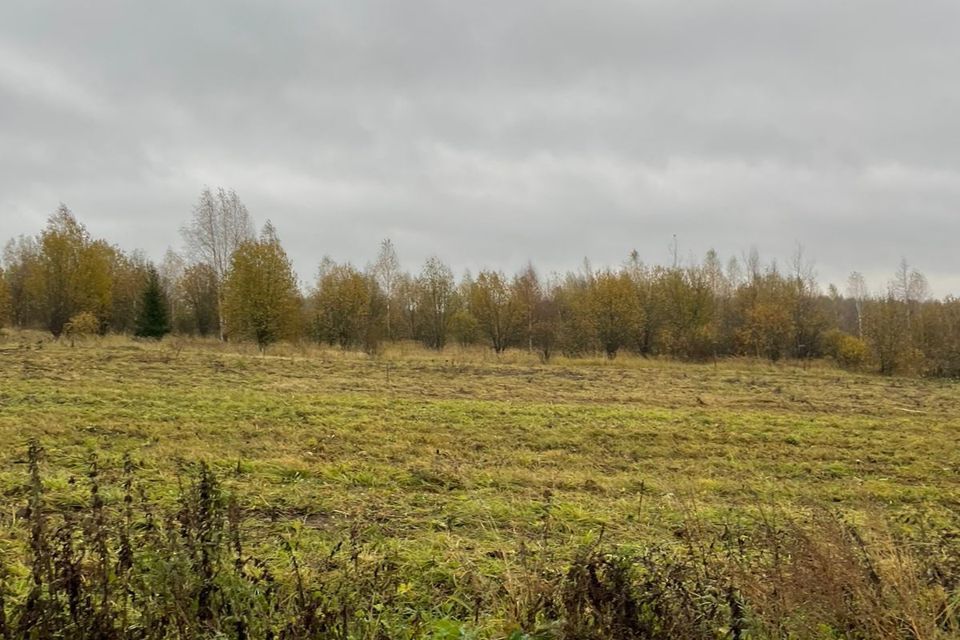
(827, 576)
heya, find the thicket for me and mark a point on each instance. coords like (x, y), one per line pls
(116, 565)
(239, 286)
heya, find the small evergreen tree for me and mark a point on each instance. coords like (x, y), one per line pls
(153, 320)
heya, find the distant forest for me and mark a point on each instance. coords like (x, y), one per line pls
(236, 284)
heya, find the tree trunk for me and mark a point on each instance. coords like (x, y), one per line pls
(223, 325)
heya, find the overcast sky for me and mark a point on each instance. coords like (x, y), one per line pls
(490, 133)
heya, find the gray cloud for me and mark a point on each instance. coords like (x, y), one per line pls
(491, 133)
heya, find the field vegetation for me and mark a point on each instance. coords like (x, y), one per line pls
(194, 488)
(241, 286)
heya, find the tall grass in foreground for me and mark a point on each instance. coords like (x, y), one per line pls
(130, 570)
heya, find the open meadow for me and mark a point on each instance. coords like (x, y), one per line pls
(474, 481)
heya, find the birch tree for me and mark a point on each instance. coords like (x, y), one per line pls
(438, 301)
(386, 271)
(858, 292)
(528, 293)
(220, 224)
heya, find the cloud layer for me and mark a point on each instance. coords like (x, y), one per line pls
(490, 133)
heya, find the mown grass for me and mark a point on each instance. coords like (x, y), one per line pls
(452, 462)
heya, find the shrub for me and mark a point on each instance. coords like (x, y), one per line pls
(848, 351)
(464, 328)
(81, 325)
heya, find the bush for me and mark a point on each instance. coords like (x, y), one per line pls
(81, 325)
(464, 328)
(848, 352)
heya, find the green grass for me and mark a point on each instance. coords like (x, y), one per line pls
(453, 460)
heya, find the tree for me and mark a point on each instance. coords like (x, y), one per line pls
(153, 319)
(464, 328)
(261, 299)
(712, 272)
(614, 310)
(528, 294)
(766, 326)
(199, 291)
(171, 271)
(645, 281)
(886, 326)
(130, 274)
(220, 225)
(940, 337)
(438, 301)
(95, 281)
(495, 308)
(21, 262)
(348, 308)
(889, 325)
(407, 307)
(386, 272)
(61, 244)
(4, 299)
(808, 321)
(683, 298)
(576, 329)
(546, 329)
(73, 273)
(909, 286)
(858, 292)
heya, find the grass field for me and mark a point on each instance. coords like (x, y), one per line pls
(453, 462)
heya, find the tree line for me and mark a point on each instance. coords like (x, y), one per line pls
(237, 284)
